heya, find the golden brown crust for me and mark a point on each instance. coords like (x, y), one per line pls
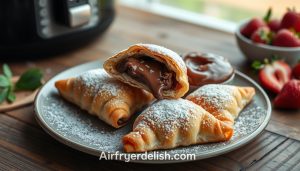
(223, 101)
(107, 98)
(207, 116)
(172, 60)
(161, 126)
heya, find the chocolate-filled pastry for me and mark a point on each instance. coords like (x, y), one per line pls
(110, 100)
(170, 123)
(225, 102)
(207, 68)
(153, 68)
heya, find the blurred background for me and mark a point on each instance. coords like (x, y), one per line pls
(219, 14)
(49, 27)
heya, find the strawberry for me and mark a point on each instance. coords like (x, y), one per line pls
(274, 25)
(262, 35)
(286, 38)
(291, 20)
(296, 71)
(274, 76)
(252, 26)
(289, 97)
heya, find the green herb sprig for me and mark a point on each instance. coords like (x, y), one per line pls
(29, 80)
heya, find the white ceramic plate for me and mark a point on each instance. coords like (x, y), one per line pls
(75, 128)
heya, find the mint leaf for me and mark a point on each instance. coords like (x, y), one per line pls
(6, 70)
(4, 82)
(3, 94)
(30, 80)
(11, 97)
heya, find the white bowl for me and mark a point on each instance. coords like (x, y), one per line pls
(255, 51)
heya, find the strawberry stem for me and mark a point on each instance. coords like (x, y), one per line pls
(266, 36)
(275, 58)
(297, 34)
(266, 61)
(268, 15)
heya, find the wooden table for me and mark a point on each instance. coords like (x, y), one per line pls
(25, 146)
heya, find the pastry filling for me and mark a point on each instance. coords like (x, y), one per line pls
(150, 72)
(122, 121)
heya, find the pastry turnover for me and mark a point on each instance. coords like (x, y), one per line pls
(153, 68)
(170, 123)
(223, 101)
(103, 96)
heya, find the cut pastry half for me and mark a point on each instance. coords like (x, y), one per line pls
(151, 67)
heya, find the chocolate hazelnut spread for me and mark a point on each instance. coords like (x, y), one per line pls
(206, 68)
(152, 73)
(121, 121)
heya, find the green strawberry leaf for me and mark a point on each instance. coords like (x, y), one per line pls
(265, 35)
(6, 70)
(30, 80)
(4, 82)
(257, 65)
(3, 94)
(275, 58)
(271, 36)
(298, 34)
(268, 15)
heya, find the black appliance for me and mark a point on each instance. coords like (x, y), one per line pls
(45, 27)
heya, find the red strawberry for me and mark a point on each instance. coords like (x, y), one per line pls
(296, 71)
(274, 76)
(252, 26)
(262, 35)
(289, 97)
(274, 25)
(286, 38)
(291, 20)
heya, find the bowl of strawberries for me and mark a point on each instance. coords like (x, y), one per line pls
(260, 38)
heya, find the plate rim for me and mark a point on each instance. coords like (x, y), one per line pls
(95, 152)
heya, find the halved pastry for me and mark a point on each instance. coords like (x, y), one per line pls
(109, 99)
(225, 102)
(171, 123)
(151, 67)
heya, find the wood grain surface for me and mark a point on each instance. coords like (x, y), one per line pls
(25, 146)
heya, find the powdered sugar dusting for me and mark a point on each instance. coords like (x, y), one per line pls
(166, 52)
(215, 95)
(248, 117)
(75, 125)
(98, 81)
(247, 122)
(72, 123)
(169, 115)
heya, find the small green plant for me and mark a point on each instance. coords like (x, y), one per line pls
(29, 80)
